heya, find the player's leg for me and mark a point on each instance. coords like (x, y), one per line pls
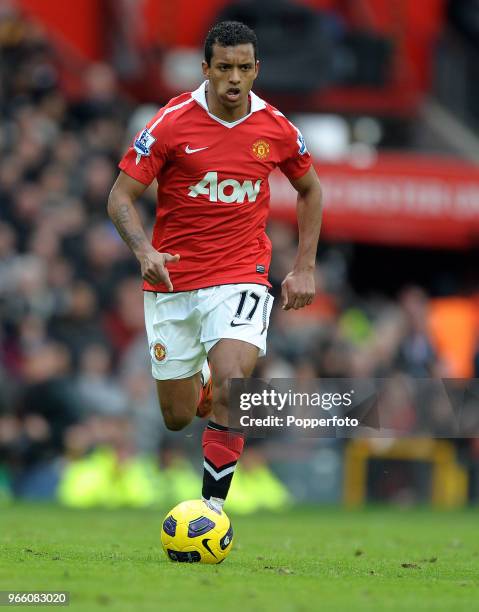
(229, 358)
(223, 445)
(183, 399)
(234, 334)
(177, 355)
(178, 400)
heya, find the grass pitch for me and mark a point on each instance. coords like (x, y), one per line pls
(301, 560)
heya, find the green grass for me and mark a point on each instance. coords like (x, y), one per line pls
(302, 560)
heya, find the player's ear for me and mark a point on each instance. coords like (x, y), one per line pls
(256, 69)
(206, 69)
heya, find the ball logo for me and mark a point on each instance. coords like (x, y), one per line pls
(261, 149)
(159, 351)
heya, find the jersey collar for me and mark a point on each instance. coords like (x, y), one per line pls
(199, 95)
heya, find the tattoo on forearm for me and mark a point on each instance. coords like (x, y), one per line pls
(128, 227)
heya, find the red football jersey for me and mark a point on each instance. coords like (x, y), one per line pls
(213, 191)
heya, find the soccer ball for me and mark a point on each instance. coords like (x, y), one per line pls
(192, 532)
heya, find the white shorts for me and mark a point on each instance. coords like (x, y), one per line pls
(183, 327)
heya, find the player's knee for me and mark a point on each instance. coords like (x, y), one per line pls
(175, 416)
(177, 408)
(175, 422)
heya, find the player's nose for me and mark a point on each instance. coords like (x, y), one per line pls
(235, 76)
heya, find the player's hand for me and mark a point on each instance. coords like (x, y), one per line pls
(297, 289)
(153, 267)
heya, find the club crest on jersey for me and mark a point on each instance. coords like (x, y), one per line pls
(261, 149)
(158, 351)
(143, 144)
(301, 144)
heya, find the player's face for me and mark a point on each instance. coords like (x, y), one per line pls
(231, 74)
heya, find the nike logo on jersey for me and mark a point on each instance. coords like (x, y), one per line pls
(233, 324)
(206, 545)
(190, 151)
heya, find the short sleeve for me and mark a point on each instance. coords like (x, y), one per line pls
(148, 153)
(297, 159)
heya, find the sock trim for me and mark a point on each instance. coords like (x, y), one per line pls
(218, 427)
(218, 475)
(220, 467)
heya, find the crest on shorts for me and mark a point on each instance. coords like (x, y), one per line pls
(158, 350)
(261, 149)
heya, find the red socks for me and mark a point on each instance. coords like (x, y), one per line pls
(222, 447)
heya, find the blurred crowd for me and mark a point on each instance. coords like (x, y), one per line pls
(75, 383)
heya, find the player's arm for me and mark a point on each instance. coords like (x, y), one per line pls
(124, 215)
(298, 288)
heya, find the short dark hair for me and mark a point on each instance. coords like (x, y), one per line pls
(229, 34)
